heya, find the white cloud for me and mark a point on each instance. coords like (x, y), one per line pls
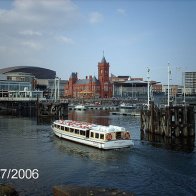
(95, 17)
(64, 39)
(32, 44)
(29, 26)
(30, 33)
(121, 11)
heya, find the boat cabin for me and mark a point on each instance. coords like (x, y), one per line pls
(93, 132)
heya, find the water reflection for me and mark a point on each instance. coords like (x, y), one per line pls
(185, 144)
(87, 152)
(96, 117)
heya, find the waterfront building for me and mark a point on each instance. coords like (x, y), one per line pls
(174, 90)
(38, 76)
(190, 83)
(7, 86)
(118, 78)
(90, 86)
(157, 88)
(130, 88)
(25, 78)
(17, 90)
(38, 72)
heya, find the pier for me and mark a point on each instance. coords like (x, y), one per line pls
(177, 121)
(134, 113)
(34, 108)
(47, 111)
(90, 107)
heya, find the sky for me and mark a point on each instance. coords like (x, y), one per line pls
(70, 36)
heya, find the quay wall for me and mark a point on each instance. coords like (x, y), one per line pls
(33, 108)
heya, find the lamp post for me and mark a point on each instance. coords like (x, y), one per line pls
(168, 80)
(148, 77)
(184, 89)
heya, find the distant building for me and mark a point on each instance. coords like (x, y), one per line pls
(119, 78)
(130, 88)
(38, 72)
(90, 86)
(38, 76)
(25, 78)
(190, 83)
(157, 88)
(173, 90)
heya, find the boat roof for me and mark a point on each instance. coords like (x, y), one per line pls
(87, 126)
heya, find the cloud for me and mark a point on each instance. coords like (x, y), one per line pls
(32, 45)
(95, 17)
(65, 40)
(121, 11)
(29, 26)
(30, 33)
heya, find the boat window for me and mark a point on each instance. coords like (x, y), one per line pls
(62, 128)
(66, 129)
(71, 130)
(118, 135)
(76, 131)
(58, 126)
(87, 133)
(82, 132)
(92, 134)
(96, 135)
(102, 136)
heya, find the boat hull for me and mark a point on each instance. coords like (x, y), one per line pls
(106, 145)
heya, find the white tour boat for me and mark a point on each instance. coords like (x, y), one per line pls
(126, 106)
(104, 137)
(80, 107)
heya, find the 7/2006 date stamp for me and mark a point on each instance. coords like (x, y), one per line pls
(19, 174)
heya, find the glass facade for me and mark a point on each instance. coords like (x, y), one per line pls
(14, 86)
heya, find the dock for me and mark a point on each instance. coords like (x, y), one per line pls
(177, 121)
(100, 107)
(134, 113)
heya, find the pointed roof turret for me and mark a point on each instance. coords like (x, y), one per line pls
(103, 59)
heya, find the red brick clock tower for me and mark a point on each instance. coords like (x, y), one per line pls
(103, 77)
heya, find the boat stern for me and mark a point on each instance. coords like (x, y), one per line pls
(115, 144)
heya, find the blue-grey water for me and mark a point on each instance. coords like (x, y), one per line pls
(149, 168)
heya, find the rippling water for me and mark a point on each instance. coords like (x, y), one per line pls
(149, 168)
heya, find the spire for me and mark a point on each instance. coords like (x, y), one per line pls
(103, 58)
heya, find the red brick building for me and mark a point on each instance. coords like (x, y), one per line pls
(90, 86)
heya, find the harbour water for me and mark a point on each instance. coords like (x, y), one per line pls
(149, 168)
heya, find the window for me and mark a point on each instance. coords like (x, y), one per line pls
(71, 130)
(102, 136)
(97, 135)
(66, 129)
(62, 128)
(118, 135)
(76, 131)
(92, 134)
(82, 132)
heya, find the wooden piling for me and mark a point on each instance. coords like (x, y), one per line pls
(177, 121)
(48, 111)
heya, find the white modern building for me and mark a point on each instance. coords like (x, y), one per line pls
(190, 82)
